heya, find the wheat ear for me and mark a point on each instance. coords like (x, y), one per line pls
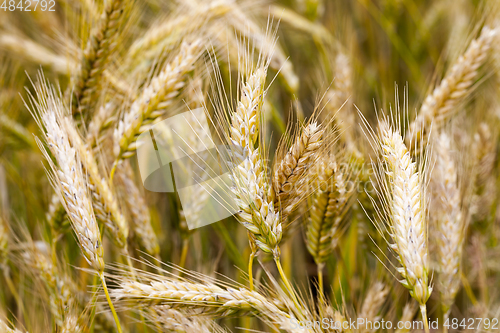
(153, 101)
(442, 103)
(408, 313)
(60, 295)
(175, 321)
(203, 298)
(372, 304)
(68, 179)
(448, 220)
(56, 215)
(257, 212)
(102, 119)
(138, 209)
(407, 222)
(172, 30)
(293, 167)
(484, 192)
(339, 103)
(326, 212)
(102, 42)
(104, 201)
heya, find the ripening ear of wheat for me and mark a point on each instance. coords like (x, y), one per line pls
(372, 304)
(406, 214)
(291, 170)
(153, 101)
(101, 44)
(440, 105)
(140, 217)
(328, 208)
(251, 188)
(68, 178)
(448, 221)
(104, 200)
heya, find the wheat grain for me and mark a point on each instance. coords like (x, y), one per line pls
(442, 103)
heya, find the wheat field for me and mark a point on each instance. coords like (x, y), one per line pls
(330, 166)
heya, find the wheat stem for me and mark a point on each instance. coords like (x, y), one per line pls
(185, 248)
(320, 268)
(287, 284)
(250, 270)
(115, 316)
(423, 310)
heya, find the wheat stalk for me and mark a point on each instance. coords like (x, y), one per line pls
(292, 168)
(153, 101)
(86, 81)
(407, 221)
(448, 220)
(442, 103)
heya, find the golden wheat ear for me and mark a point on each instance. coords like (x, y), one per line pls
(448, 220)
(402, 211)
(441, 104)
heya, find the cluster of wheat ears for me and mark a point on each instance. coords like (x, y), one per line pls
(349, 206)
